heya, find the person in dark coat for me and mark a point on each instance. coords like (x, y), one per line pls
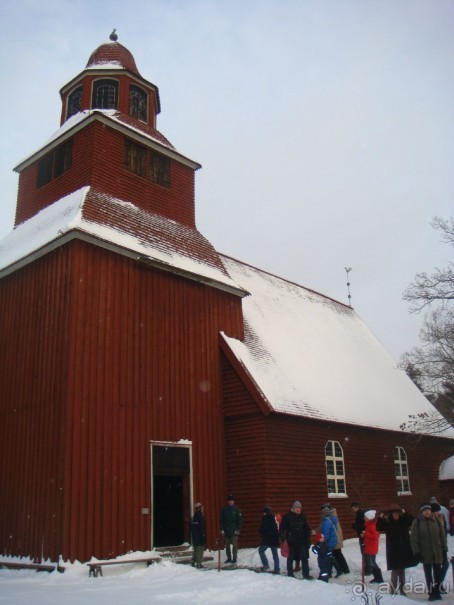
(399, 555)
(295, 529)
(269, 533)
(324, 557)
(231, 522)
(198, 536)
(428, 540)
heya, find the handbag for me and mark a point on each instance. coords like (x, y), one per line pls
(284, 548)
(339, 534)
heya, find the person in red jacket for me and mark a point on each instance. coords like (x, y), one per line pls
(371, 542)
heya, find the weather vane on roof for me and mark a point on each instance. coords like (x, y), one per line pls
(347, 271)
(113, 36)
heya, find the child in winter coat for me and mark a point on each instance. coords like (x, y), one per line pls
(371, 543)
(269, 533)
(324, 557)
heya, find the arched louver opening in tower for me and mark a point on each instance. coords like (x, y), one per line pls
(74, 102)
(138, 103)
(105, 94)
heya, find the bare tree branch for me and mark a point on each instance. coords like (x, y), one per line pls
(437, 287)
(431, 365)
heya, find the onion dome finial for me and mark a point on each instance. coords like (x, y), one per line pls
(113, 36)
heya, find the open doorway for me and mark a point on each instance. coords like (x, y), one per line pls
(171, 493)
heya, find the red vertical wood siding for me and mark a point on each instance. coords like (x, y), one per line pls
(288, 456)
(33, 320)
(246, 450)
(103, 355)
(445, 493)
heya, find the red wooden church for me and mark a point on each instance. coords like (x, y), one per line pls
(141, 370)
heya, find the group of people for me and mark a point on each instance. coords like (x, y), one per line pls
(231, 522)
(291, 533)
(409, 541)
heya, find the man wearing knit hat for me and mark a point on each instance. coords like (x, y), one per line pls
(428, 540)
(231, 522)
(295, 529)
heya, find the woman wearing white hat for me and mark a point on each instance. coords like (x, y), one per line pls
(371, 543)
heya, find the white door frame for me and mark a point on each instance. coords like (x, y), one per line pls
(181, 444)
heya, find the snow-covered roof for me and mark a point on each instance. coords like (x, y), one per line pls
(106, 65)
(446, 469)
(110, 221)
(312, 356)
(114, 54)
(114, 117)
(307, 354)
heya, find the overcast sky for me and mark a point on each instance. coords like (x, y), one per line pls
(325, 128)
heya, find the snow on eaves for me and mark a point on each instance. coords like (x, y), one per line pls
(106, 65)
(312, 356)
(76, 120)
(67, 215)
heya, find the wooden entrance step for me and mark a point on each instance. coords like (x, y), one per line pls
(178, 554)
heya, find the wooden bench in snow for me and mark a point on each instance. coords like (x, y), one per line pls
(35, 566)
(95, 567)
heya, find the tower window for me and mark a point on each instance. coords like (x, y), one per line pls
(401, 471)
(63, 158)
(335, 469)
(160, 169)
(45, 168)
(54, 163)
(105, 94)
(74, 102)
(138, 103)
(135, 158)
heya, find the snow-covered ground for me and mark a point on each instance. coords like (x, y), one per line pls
(174, 584)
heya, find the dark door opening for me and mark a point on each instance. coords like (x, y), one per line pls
(171, 494)
(169, 514)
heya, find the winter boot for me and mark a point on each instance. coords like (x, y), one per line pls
(434, 594)
(378, 576)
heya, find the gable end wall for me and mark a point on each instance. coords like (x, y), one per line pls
(287, 452)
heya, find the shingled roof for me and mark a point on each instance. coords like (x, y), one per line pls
(309, 355)
(122, 226)
(112, 54)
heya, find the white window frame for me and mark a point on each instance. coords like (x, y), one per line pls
(400, 459)
(336, 459)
